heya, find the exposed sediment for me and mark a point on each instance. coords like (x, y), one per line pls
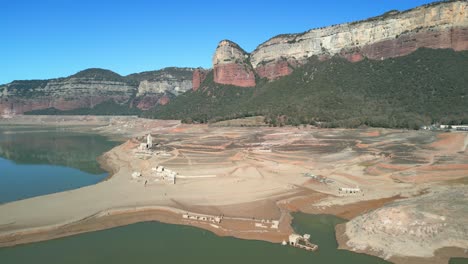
(416, 227)
(254, 176)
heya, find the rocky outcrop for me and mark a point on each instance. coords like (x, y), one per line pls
(277, 68)
(199, 75)
(77, 91)
(157, 87)
(231, 65)
(175, 87)
(439, 25)
(149, 101)
(172, 80)
(413, 227)
(91, 87)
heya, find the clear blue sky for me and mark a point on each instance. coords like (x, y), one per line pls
(42, 39)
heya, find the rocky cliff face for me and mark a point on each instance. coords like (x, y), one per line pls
(199, 75)
(231, 65)
(440, 25)
(90, 87)
(157, 87)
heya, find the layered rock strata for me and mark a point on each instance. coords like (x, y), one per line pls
(231, 65)
(91, 87)
(442, 25)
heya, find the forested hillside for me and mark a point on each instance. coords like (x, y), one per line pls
(427, 86)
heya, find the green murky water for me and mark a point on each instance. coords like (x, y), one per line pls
(154, 242)
(41, 160)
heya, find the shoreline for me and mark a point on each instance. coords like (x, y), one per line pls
(123, 217)
(171, 215)
(118, 217)
(441, 255)
(251, 186)
(126, 216)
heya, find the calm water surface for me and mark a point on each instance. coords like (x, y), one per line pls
(154, 242)
(41, 160)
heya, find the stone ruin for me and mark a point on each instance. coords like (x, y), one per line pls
(165, 174)
(148, 144)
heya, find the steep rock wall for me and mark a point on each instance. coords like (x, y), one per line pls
(91, 87)
(62, 94)
(168, 84)
(199, 76)
(439, 25)
(231, 65)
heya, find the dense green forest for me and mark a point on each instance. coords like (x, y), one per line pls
(106, 108)
(425, 87)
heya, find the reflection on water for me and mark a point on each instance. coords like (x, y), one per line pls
(37, 160)
(53, 146)
(154, 242)
(24, 181)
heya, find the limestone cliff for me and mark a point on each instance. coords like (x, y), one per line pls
(158, 87)
(438, 25)
(441, 25)
(90, 87)
(231, 65)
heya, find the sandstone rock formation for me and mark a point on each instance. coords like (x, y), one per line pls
(82, 90)
(199, 76)
(438, 25)
(231, 65)
(91, 87)
(442, 25)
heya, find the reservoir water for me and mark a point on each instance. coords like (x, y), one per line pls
(41, 160)
(154, 242)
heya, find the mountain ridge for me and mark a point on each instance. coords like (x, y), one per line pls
(258, 83)
(392, 34)
(425, 87)
(93, 86)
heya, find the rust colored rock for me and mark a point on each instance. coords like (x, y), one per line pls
(199, 75)
(442, 25)
(275, 69)
(460, 39)
(352, 55)
(150, 100)
(450, 38)
(456, 39)
(234, 74)
(164, 100)
(231, 65)
(147, 102)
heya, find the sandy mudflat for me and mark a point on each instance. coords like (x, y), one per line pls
(251, 176)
